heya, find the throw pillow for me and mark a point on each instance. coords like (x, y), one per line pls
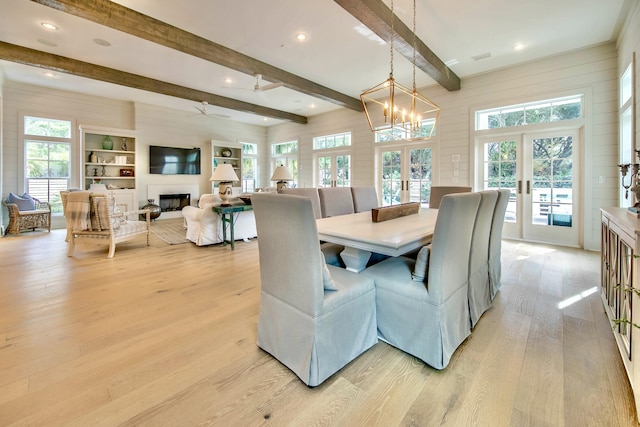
(422, 264)
(24, 204)
(327, 281)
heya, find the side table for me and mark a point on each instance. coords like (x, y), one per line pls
(226, 216)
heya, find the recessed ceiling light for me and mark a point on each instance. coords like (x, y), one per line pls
(301, 37)
(102, 42)
(451, 62)
(228, 80)
(266, 119)
(519, 46)
(49, 74)
(49, 26)
(312, 106)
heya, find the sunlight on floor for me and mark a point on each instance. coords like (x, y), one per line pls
(567, 302)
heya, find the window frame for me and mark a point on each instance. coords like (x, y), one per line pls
(332, 152)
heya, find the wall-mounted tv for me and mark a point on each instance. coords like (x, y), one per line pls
(174, 161)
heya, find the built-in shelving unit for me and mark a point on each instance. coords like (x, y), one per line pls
(227, 152)
(115, 167)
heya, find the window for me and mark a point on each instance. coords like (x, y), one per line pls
(286, 154)
(552, 110)
(332, 160)
(626, 126)
(249, 167)
(398, 133)
(47, 147)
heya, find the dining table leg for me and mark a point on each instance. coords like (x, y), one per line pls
(355, 259)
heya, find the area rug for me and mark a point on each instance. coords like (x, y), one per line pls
(171, 231)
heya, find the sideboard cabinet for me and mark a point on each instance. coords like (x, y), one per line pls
(620, 243)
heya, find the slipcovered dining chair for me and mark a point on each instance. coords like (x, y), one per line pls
(437, 192)
(364, 198)
(314, 318)
(495, 242)
(479, 287)
(423, 305)
(335, 201)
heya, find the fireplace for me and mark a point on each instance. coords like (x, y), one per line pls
(174, 202)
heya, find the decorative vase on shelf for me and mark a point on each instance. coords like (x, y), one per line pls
(93, 158)
(124, 144)
(107, 143)
(154, 209)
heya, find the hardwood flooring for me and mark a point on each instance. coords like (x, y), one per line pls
(165, 336)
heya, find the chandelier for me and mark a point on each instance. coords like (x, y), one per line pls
(395, 111)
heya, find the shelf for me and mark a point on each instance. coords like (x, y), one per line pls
(91, 178)
(131, 165)
(100, 150)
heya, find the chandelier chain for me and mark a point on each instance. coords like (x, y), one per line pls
(391, 40)
(414, 45)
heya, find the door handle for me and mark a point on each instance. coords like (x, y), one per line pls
(528, 187)
(519, 187)
(401, 185)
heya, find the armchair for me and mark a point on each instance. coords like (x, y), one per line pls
(314, 318)
(92, 216)
(204, 226)
(495, 242)
(427, 314)
(27, 213)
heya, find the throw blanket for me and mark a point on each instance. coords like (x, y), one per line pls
(78, 210)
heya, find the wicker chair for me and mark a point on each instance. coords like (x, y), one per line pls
(106, 225)
(19, 220)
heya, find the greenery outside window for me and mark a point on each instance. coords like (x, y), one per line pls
(249, 167)
(286, 154)
(332, 160)
(396, 134)
(47, 147)
(552, 110)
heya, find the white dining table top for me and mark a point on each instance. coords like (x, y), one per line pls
(393, 237)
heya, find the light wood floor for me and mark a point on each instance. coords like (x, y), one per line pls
(165, 336)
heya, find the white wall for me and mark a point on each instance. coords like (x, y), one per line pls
(153, 126)
(629, 42)
(592, 70)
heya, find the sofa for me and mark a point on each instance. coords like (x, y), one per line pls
(204, 226)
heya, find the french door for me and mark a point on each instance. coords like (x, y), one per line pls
(405, 173)
(541, 170)
(332, 170)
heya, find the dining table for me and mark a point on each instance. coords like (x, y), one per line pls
(361, 236)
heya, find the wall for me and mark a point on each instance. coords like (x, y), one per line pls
(628, 43)
(153, 125)
(592, 70)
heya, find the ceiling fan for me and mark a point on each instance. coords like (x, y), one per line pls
(259, 87)
(203, 111)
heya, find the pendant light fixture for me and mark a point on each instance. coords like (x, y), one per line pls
(395, 111)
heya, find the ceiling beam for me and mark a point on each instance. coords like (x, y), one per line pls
(114, 15)
(49, 61)
(376, 16)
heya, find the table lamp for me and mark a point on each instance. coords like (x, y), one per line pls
(224, 174)
(282, 175)
(98, 188)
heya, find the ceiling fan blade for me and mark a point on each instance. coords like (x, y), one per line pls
(270, 86)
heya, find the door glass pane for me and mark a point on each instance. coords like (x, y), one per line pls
(343, 168)
(391, 183)
(500, 171)
(420, 175)
(324, 171)
(552, 192)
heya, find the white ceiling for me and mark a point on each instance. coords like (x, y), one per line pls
(339, 51)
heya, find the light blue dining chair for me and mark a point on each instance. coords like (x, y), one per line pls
(495, 242)
(314, 318)
(479, 287)
(426, 313)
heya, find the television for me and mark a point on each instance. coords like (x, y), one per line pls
(174, 161)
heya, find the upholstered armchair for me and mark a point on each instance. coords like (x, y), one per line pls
(314, 318)
(479, 287)
(93, 216)
(495, 242)
(27, 213)
(204, 226)
(422, 305)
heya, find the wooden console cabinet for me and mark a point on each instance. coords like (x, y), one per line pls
(619, 272)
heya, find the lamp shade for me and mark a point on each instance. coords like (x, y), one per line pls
(98, 188)
(281, 174)
(224, 172)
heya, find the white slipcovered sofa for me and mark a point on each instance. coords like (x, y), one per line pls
(205, 228)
